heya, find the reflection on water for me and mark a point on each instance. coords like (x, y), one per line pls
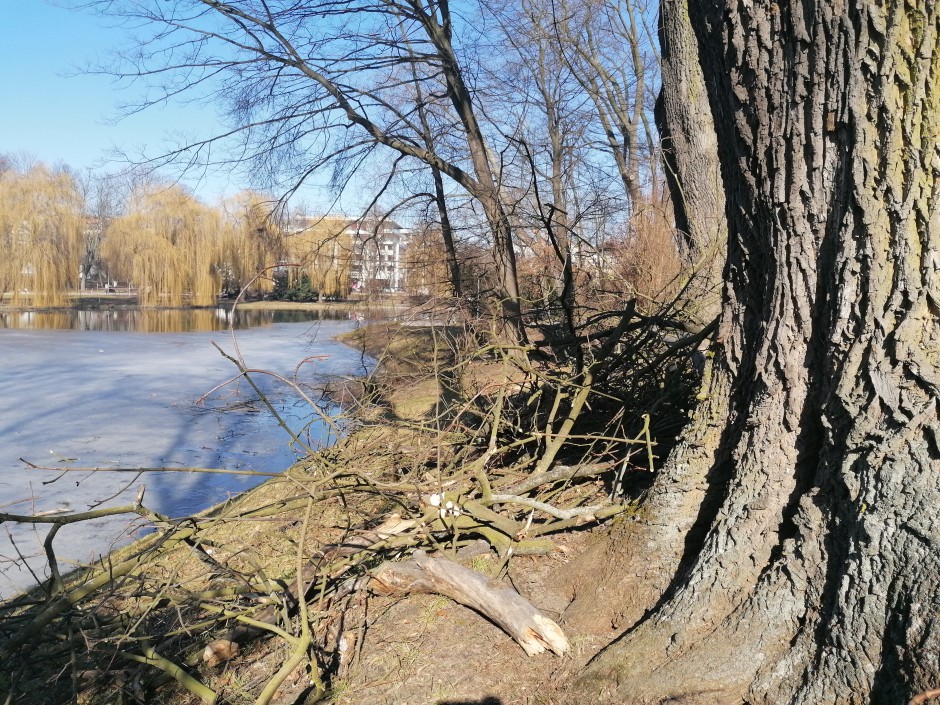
(151, 320)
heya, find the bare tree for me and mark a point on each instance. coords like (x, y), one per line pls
(590, 70)
(547, 126)
(429, 139)
(312, 85)
(103, 196)
(607, 48)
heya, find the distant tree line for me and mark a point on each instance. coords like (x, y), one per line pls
(63, 231)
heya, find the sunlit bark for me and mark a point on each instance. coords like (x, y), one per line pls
(807, 493)
(690, 152)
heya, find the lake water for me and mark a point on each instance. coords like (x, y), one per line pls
(89, 389)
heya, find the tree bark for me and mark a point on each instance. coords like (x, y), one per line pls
(690, 153)
(806, 495)
(447, 234)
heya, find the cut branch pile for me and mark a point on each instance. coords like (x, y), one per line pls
(511, 454)
(144, 607)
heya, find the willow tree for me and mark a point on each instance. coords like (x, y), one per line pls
(41, 235)
(252, 245)
(168, 245)
(322, 249)
(790, 551)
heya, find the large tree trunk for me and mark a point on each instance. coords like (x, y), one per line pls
(804, 562)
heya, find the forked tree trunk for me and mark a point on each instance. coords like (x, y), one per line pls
(801, 561)
(439, 30)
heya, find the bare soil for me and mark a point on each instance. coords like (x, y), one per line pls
(427, 649)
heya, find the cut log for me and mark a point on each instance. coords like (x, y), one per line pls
(218, 651)
(925, 696)
(502, 605)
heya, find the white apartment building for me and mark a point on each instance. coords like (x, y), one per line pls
(378, 263)
(373, 249)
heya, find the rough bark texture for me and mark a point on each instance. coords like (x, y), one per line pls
(806, 570)
(690, 151)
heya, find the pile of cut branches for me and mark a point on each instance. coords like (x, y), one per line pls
(511, 452)
(282, 566)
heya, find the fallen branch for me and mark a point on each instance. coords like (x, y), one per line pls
(559, 473)
(588, 512)
(90, 583)
(193, 685)
(137, 471)
(502, 605)
(325, 564)
(301, 643)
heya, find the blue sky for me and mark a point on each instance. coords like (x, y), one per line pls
(52, 111)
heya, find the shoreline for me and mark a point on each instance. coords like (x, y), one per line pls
(96, 436)
(295, 529)
(92, 302)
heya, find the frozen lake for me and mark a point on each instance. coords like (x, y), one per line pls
(119, 398)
